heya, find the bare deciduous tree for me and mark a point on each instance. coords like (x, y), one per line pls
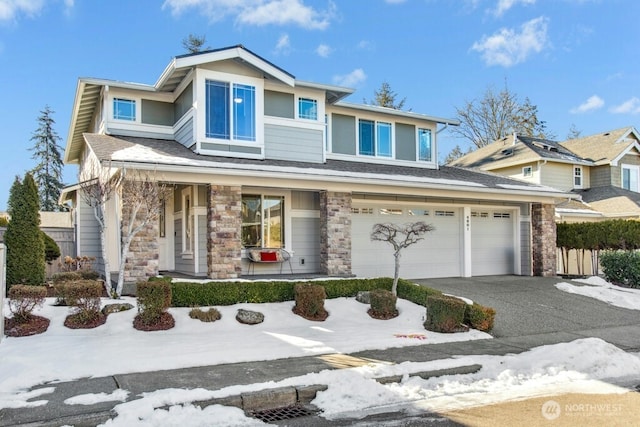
(400, 237)
(140, 207)
(98, 184)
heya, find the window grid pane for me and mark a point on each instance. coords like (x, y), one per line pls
(124, 109)
(424, 144)
(367, 146)
(244, 112)
(217, 120)
(384, 139)
(308, 109)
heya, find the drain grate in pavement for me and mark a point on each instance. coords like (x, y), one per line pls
(280, 414)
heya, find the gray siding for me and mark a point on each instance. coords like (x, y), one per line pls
(183, 102)
(89, 236)
(230, 148)
(306, 245)
(157, 113)
(405, 142)
(182, 265)
(279, 104)
(343, 134)
(307, 200)
(202, 245)
(184, 135)
(289, 143)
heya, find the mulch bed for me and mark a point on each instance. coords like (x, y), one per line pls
(320, 317)
(165, 322)
(35, 325)
(74, 321)
(382, 316)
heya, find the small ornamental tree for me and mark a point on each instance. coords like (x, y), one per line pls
(400, 237)
(25, 245)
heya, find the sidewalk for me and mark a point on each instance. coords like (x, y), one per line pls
(529, 315)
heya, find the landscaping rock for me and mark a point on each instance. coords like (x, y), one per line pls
(363, 297)
(249, 317)
(116, 308)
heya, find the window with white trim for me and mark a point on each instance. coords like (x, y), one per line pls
(424, 145)
(307, 109)
(374, 138)
(262, 221)
(577, 177)
(230, 111)
(124, 109)
(630, 177)
(527, 171)
(187, 223)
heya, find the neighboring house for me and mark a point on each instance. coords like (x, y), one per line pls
(257, 158)
(604, 169)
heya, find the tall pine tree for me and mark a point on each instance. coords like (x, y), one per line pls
(48, 171)
(25, 246)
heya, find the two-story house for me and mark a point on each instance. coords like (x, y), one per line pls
(258, 158)
(604, 169)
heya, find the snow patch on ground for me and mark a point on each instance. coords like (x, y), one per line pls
(598, 288)
(93, 398)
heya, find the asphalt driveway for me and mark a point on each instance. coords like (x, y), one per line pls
(531, 310)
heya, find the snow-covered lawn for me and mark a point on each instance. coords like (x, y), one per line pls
(62, 354)
(598, 288)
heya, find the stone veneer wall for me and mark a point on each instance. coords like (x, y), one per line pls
(224, 228)
(142, 259)
(335, 233)
(543, 231)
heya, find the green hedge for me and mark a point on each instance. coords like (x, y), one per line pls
(444, 313)
(621, 267)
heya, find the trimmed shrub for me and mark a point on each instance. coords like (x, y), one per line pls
(66, 276)
(153, 300)
(84, 296)
(187, 294)
(479, 317)
(621, 267)
(383, 303)
(444, 313)
(415, 293)
(89, 274)
(51, 249)
(351, 287)
(23, 299)
(310, 301)
(210, 315)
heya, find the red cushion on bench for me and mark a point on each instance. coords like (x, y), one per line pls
(268, 256)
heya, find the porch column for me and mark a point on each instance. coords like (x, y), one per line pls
(543, 231)
(224, 230)
(142, 259)
(335, 233)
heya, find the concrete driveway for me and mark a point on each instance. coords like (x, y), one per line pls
(531, 311)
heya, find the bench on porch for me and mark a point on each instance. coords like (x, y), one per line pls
(268, 256)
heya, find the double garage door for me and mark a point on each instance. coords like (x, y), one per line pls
(441, 252)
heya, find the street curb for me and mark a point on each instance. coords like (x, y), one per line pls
(458, 370)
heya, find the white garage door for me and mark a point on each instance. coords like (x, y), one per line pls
(438, 255)
(492, 242)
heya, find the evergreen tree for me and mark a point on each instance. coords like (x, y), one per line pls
(386, 97)
(25, 246)
(48, 170)
(194, 43)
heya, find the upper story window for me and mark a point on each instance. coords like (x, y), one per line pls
(374, 138)
(307, 108)
(230, 111)
(527, 171)
(124, 109)
(424, 145)
(630, 177)
(577, 177)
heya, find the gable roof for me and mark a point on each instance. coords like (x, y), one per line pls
(612, 201)
(171, 156)
(514, 150)
(605, 148)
